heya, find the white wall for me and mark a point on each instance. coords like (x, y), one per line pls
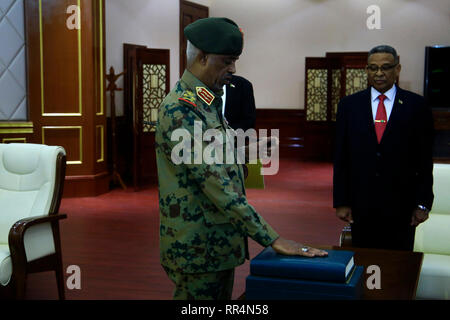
(153, 23)
(279, 34)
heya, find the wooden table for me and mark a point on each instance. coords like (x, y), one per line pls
(400, 272)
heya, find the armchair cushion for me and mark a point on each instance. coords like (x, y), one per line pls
(27, 189)
(31, 186)
(27, 176)
(434, 281)
(433, 239)
(5, 265)
(441, 189)
(38, 241)
(432, 236)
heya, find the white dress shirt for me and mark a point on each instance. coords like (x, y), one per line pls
(224, 97)
(388, 102)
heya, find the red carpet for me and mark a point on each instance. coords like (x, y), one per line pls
(113, 238)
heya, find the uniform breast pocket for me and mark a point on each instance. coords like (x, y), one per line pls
(177, 206)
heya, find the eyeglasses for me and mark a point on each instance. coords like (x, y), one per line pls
(385, 67)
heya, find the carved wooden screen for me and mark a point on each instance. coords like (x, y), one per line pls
(349, 76)
(317, 109)
(316, 84)
(154, 90)
(327, 81)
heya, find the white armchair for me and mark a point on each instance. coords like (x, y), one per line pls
(433, 239)
(31, 185)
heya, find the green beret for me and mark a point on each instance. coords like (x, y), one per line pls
(215, 35)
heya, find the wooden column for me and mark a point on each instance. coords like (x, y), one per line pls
(66, 87)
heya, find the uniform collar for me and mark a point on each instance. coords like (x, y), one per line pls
(390, 94)
(198, 87)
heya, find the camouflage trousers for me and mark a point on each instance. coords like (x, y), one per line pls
(202, 286)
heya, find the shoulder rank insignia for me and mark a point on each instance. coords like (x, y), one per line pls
(205, 95)
(189, 97)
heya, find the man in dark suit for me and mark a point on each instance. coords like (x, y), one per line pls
(240, 110)
(382, 180)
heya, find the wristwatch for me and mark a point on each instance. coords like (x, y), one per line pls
(423, 208)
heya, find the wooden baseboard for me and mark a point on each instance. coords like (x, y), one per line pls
(289, 122)
(86, 185)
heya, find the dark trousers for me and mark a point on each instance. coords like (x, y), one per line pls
(202, 286)
(389, 236)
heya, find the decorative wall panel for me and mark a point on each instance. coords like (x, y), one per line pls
(327, 80)
(66, 89)
(14, 140)
(13, 80)
(100, 143)
(316, 95)
(69, 137)
(61, 65)
(154, 91)
(335, 91)
(356, 80)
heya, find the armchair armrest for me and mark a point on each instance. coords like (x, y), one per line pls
(17, 232)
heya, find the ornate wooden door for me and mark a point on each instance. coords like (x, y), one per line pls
(189, 12)
(148, 70)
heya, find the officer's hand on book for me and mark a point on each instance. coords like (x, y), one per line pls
(292, 248)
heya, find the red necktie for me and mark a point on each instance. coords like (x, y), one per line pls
(381, 118)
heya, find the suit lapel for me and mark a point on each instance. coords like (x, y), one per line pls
(367, 115)
(395, 114)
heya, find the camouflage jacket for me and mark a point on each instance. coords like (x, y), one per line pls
(204, 214)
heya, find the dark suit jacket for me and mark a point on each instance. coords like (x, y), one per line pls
(240, 110)
(391, 178)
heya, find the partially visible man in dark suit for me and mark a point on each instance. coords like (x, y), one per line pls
(382, 180)
(240, 110)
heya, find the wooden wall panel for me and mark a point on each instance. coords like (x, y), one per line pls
(61, 61)
(16, 132)
(67, 88)
(289, 122)
(70, 138)
(100, 143)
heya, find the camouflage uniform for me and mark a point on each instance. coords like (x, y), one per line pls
(202, 286)
(204, 214)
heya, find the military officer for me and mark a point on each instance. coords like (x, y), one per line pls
(205, 218)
